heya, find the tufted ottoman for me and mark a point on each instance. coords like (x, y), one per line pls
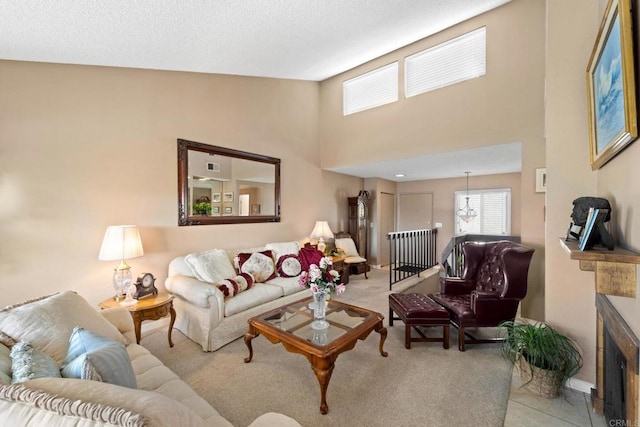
(419, 310)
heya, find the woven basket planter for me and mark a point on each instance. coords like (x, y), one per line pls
(545, 383)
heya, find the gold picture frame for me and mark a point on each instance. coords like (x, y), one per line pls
(611, 92)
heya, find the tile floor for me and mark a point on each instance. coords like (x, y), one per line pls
(573, 408)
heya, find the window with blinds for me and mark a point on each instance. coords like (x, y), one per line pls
(454, 61)
(494, 211)
(375, 88)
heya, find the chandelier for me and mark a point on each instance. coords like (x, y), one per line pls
(467, 214)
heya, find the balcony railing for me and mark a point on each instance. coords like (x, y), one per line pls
(411, 252)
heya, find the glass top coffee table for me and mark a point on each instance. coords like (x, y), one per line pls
(291, 326)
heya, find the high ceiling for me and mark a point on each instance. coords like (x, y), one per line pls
(292, 39)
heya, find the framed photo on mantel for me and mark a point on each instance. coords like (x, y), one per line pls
(611, 90)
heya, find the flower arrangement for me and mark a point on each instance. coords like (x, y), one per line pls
(322, 279)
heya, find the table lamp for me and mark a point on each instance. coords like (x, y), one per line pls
(121, 242)
(321, 231)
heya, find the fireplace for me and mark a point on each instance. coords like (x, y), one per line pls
(615, 380)
(617, 366)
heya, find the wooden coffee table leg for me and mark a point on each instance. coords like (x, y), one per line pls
(383, 336)
(173, 320)
(323, 369)
(247, 340)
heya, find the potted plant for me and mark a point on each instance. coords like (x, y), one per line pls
(546, 358)
(202, 208)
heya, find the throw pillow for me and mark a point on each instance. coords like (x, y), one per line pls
(289, 266)
(94, 357)
(309, 255)
(231, 287)
(259, 264)
(46, 324)
(27, 363)
(210, 266)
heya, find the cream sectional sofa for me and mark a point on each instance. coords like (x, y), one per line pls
(204, 314)
(160, 399)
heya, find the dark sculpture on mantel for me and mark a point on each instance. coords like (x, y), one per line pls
(579, 215)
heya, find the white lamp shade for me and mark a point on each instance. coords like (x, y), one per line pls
(321, 230)
(121, 242)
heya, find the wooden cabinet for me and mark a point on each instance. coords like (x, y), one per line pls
(359, 223)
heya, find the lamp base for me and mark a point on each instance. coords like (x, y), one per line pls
(122, 279)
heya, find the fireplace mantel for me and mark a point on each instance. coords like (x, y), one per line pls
(615, 270)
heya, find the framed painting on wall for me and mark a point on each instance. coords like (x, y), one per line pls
(228, 197)
(611, 91)
(216, 197)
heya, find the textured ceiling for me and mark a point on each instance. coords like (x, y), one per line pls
(294, 39)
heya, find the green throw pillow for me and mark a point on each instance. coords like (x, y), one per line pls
(94, 357)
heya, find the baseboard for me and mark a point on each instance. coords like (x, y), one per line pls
(579, 385)
(376, 266)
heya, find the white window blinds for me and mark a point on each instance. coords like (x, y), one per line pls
(494, 212)
(375, 88)
(457, 60)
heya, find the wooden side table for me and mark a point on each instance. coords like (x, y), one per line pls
(148, 308)
(342, 268)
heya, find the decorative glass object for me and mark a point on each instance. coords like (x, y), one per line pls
(319, 312)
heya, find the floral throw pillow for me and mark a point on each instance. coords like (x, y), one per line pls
(231, 287)
(259, 264)
(289, 266)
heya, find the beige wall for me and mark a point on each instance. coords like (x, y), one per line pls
(570, 294)
(82, 148)
(505, 105)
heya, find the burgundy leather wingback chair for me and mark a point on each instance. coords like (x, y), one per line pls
(493, 282)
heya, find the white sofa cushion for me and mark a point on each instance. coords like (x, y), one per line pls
(153, 375)
(283, 248)
(5, 364)
(289, 285)
(257, 295)
(210, 266)
(50, 329)
(156, 408)
(21, 406)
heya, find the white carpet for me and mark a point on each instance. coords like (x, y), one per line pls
(424, 386)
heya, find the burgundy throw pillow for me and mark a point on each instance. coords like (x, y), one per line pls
(231, 287)
(259, 264)
(289, 266)
(309, 255)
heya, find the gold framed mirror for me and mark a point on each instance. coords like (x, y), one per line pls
(218, 185)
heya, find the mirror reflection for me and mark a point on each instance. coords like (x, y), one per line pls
(221, 185)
